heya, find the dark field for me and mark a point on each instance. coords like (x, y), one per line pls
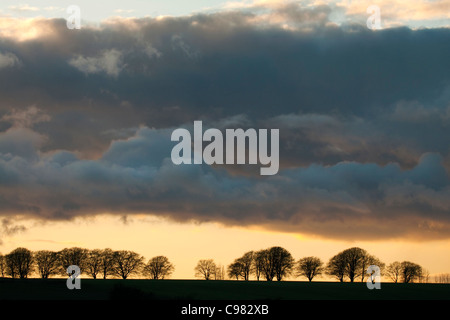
(55, 289)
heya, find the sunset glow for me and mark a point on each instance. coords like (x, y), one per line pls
(86, 118)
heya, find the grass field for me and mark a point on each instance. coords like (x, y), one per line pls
(133, 289)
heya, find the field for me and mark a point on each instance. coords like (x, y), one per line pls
(138, 289)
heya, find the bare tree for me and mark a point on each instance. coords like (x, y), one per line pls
(275, 262)
(106, 262)
(219, 272)
(442, 278)
(284, 262)
(235, 270)
(258, 263)
(354, 258)
(126, 263)
(351, 263)
(2, 266)
(93, 262)
(394, 271)
(242, 267)
(309, 267)
(72, 256)
(10, 266)
(47, 263)
(367, 261)
(424, 277)
(336, 267)
(19, 262)
(205, 269)
(159, 267)
(267, 264)
(410, 271)
(246, 262)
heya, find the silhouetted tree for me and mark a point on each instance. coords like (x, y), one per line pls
(205, 269)
(442, 278)
(276, 262)
(72, 256)
(351, 263)
(10, 267)
(284, 262)
(367, 261)
(267, 264)
(126, 263)
(258, 263)
(19, 262)
(309, 267)
(424, 276)
(354, 258)
(247, 264)
(394, 271)
(2, 265)
(159, 267)
(336, 267)
(235, 270)
(93, 263)
(242, 267)
(410, 271)
(46, 263)
(219, 272)
(106, 262)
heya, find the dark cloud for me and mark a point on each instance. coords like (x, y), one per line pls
(86, 118)
(9, 227)
(346, 200)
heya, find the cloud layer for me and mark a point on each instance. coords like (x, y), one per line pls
(86, 117)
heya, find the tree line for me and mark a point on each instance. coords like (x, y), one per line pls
(278, 263)
(21, 263)
(274, 263)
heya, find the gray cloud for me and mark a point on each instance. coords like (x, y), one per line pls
(8, 60)
(346, 200)
(108, 62)
(9, 227)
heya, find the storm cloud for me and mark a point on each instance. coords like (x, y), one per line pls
(86, 117)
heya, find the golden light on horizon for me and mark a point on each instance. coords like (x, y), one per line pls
(355, 96)
(186, 243)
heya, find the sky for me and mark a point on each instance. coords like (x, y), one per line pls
(86, 117)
